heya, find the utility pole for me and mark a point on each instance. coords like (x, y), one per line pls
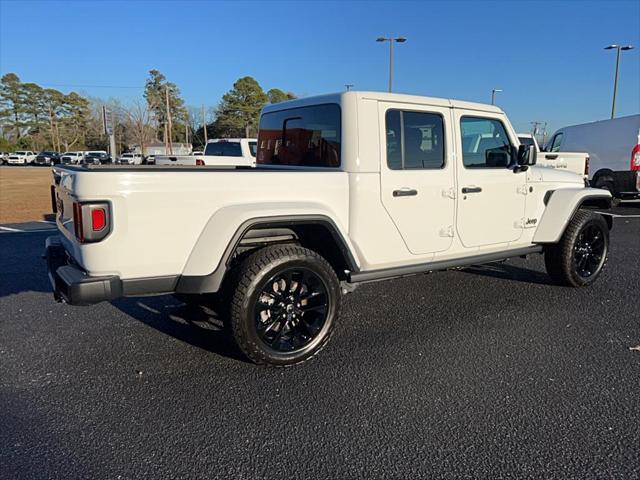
(348, 85)
(169, 126)
(204, 125)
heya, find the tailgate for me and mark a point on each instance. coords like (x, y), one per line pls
(62, 201)
(570, 161)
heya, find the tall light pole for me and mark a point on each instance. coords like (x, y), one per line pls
(391, 41)
(615, 82)
(493, 95)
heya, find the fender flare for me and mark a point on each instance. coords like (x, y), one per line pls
(211, 282)
(561, 206)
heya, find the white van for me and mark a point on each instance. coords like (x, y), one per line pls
(614, 152)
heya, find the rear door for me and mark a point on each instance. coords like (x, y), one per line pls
(491, 197)
(417, 180)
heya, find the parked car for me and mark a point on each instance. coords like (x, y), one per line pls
(150, 160)
(614, 152)
(221, 152)
(130, 159)
(71, 158)
(99, 157)
(349, 188)
(47, 158)
(22, 157)
(571, 161)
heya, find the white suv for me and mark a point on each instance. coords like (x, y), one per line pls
(22, 157)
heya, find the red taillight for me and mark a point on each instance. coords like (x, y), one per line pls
(98, 219)
(586, 166)
(635, 158)
(77, 221)
(91, 221)
(199, 162)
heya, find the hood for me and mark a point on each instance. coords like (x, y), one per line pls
(548, 174)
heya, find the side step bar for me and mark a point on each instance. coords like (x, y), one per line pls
(395, 272)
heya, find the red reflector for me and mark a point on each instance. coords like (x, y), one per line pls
(199, 162)
(98, 219)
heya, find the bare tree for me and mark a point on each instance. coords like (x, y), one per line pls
(139, 125)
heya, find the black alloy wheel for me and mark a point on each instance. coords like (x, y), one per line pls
(285, 300)
(291, 309)
(589, 250)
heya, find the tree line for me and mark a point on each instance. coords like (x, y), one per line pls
(37, 118)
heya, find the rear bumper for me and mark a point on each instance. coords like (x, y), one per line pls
(73, 285)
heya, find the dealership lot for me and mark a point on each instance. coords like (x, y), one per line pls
(487, 373)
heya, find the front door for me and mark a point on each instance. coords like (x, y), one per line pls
(491, 197)
(417, 181)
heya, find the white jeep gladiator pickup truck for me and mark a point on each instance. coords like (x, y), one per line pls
(349, 188)
(576, 162)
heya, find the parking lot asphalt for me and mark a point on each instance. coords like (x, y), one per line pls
(490, 372)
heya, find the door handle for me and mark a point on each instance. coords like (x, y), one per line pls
(552, 157)
(405, 192)
(471, 189)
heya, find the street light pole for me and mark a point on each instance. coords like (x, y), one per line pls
(493, 95)
(391, 41)
(618, 48)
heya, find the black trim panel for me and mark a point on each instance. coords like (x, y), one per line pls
(395, 272)
(212, 282)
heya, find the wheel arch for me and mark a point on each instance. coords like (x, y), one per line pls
(318, 232)
(562, 205)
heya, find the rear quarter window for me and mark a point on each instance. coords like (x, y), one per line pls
(305, 136)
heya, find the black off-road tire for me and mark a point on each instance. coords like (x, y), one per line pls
(560, 258)
(253, 275)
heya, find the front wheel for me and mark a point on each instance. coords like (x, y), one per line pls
(285, 304)
(578, 259)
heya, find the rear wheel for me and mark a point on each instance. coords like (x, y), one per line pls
(285, 304)
(581, 255)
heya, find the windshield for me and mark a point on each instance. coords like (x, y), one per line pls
(21, 153)
(127, 155)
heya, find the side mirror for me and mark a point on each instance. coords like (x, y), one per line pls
(527, 155)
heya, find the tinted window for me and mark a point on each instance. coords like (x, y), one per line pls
(223, 149)
(485, 143)
(253, 148)
(414, 140)
(308, 136)
(557, 141)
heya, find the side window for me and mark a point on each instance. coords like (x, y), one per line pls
(223, 149)
(485, 143)
(557, 141)
(415, 140)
